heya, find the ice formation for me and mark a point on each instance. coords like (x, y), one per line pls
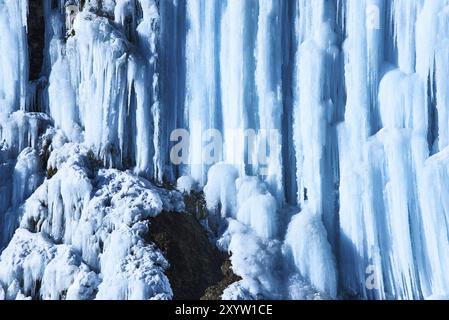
(311, 252)
(14, 59)
(81, 236)
(332, 166)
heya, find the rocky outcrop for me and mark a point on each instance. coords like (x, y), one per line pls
(229, 277)
(197, 268)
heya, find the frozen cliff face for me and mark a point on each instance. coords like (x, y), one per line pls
(381, 190)
(124, 111)
(47, 270)
(367, 110)
(331, 125)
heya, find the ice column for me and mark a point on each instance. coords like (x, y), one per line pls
(268, 86)
(202, 106)
(14, 56)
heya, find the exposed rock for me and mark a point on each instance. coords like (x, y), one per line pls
(195, 263)
(215, 292)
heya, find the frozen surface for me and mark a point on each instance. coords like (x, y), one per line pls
(81, 235)
(256, 260)
(257, 207)
(331, 119)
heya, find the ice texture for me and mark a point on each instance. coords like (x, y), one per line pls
(14, 58)
(81, 235)
(331, 119)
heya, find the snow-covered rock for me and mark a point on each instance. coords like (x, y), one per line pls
(82, 232)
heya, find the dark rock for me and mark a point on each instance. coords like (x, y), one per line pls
(215, 292)
(195, 263)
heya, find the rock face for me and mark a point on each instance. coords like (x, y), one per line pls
(215, 292)
(81, 233)
(195, 264)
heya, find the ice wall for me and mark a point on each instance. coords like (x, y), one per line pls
(233, 53)
(382, 231)
(103, 82)
(369, 108)
(341, 170)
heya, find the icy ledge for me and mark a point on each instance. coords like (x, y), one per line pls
(81, 235)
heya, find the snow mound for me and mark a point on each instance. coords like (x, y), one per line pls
(186, 184)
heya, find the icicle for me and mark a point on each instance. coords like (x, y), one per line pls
(14, 57)
(268, 85)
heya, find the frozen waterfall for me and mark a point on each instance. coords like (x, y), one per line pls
(329, 121)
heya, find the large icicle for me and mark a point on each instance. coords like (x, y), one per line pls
(268, 85)
(202, 105)
(233, 70)
(14, 55)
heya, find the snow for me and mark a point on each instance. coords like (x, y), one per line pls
(256, 260)
(14, 59)
(42, 264)
(131, 270)
(27, 176)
